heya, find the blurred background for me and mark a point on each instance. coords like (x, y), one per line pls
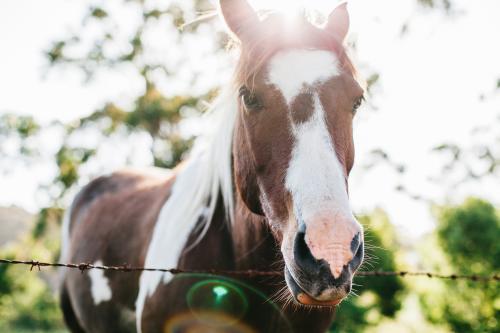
(87, 87)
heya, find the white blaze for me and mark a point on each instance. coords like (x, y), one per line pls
(99, 285)
(291, 70)
(315, 176)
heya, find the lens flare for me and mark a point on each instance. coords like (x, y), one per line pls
(217, 296)
(291, 8)
(210, 322)
(217, 304)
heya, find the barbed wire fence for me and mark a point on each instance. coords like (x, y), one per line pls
(495, 277)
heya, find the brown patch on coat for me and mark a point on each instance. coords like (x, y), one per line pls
(338, 97)
(262, 147)
(113, 220)
(302, 108)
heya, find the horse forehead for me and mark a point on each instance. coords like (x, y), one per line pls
(291, 70)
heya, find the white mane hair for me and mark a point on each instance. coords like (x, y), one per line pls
(206, 175)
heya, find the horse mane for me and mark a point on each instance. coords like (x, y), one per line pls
(204, 178)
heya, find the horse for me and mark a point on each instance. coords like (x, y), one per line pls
(265, 188)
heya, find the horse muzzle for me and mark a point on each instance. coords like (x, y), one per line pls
(312, 281)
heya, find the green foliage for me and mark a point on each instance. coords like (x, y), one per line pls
(468, 235)
(177, 148)
(98, 13)
(26, 302)
(68, 162)
(445, 4)
(19, 129)
(95, 55)
(153, 113)
(152, 109)
(378, 298)
(5, 282)
(371, 81)
(46, 217)
(24, 126)
(487, 157)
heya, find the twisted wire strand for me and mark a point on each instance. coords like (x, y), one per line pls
(494, 277)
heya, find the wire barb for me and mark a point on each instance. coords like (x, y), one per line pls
(495, 277)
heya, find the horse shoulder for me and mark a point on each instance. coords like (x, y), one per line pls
(110, 223)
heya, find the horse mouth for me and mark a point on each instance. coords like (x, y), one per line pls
(302, 297)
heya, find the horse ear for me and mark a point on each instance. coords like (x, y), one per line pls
(338, 22)
(238, 14)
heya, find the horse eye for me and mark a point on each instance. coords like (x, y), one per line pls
(357, 104)
(249, 99)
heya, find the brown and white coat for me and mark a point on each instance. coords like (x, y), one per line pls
(267, 186)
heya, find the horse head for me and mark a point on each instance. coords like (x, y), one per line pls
(293, 146)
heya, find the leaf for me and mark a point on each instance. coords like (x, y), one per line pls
(98, 13)
(372, 80)
(55, 53)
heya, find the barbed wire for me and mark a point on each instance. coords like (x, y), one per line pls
(495, 277)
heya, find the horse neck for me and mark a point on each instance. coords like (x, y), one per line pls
(254, 244)
(253, 241)
(255, 248)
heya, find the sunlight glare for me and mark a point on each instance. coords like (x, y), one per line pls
(293, 8)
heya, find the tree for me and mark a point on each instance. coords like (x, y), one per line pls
(155, 112)
(468, 235)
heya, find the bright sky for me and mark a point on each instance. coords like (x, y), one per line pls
(431, 80)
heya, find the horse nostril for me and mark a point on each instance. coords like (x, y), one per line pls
(302, 255)
(355, 243)
(357, 248)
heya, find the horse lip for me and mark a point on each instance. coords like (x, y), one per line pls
(303, 297)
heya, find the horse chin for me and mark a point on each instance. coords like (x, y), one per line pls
(303, 298)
